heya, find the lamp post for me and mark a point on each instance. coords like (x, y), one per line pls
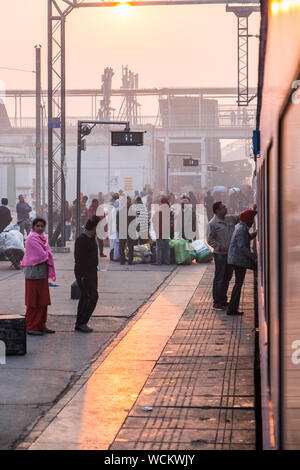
(84, 128)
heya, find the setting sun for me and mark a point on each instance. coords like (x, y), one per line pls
(123, 8)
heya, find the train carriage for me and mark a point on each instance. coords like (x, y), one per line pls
(278, 196)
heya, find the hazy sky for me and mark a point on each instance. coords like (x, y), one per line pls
(167, 45)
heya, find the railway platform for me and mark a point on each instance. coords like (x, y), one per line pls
(180, 376)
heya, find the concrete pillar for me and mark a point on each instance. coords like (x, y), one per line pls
(11, 186)
(203, 163)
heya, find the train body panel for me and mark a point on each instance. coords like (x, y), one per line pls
(278, 190)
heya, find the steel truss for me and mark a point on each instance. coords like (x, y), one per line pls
(242, 14)
(58, 10)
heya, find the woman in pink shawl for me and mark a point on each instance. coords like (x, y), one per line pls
(38, 267)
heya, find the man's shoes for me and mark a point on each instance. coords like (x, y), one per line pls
(232, 313)
(47, 330)
(218, 307)
(35, 333)
(84, 329)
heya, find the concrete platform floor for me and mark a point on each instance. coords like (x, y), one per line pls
(31, 385)
(179, 376)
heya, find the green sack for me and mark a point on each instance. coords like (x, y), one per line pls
(182, 255)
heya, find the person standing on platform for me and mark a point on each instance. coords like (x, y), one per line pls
(38, 266)
(5, 215)
(163, 225)
(208, 204)
(86, 273)
(113, 233)
(96, 209)
(125, 216)
(73, 218)
(142, 221)
(68, 216)
(241, 257)
(100, 212)
(219, 232)
(23, 219)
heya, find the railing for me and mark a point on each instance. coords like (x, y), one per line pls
(227, 117)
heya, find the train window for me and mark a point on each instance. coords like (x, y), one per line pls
(289, 170)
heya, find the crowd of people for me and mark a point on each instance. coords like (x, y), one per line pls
(145, 219)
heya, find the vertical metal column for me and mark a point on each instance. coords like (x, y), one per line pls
(63, 132)
(56, 119)
(243, 61)
(78, 207)
(203, 163)
(50, 116)
(38, 131)
(242, 13)
(43, 181)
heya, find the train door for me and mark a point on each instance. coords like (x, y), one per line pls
(289, 168)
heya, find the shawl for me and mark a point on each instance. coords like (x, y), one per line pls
(37, 251)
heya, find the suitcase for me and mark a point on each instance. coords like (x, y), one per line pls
(13, 334)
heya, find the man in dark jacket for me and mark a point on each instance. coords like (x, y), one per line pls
(5, 215)
(23, 218)
(86, 267)
(240, 257)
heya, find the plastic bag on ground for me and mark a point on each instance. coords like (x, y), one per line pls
(204, 253)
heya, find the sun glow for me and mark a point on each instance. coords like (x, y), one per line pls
(123, 8)
(278, 6)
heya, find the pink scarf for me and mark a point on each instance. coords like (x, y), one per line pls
(38, 251)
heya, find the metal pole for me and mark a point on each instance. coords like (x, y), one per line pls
(203, 163)
(108, 168)
(167, 185)
(63, 133)
(38, 131)
(43, 161)
(78, 207)
(50, 136)
(79, 137)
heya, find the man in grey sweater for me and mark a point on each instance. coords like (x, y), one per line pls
(219, 233)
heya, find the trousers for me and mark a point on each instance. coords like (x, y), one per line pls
(122, 246)
(163, 251)
(88, 285)
(239, 273)
(223, 275)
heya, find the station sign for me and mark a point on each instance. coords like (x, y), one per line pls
(127, 138)
(190, 162)
(212, 168)
(54, 123)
